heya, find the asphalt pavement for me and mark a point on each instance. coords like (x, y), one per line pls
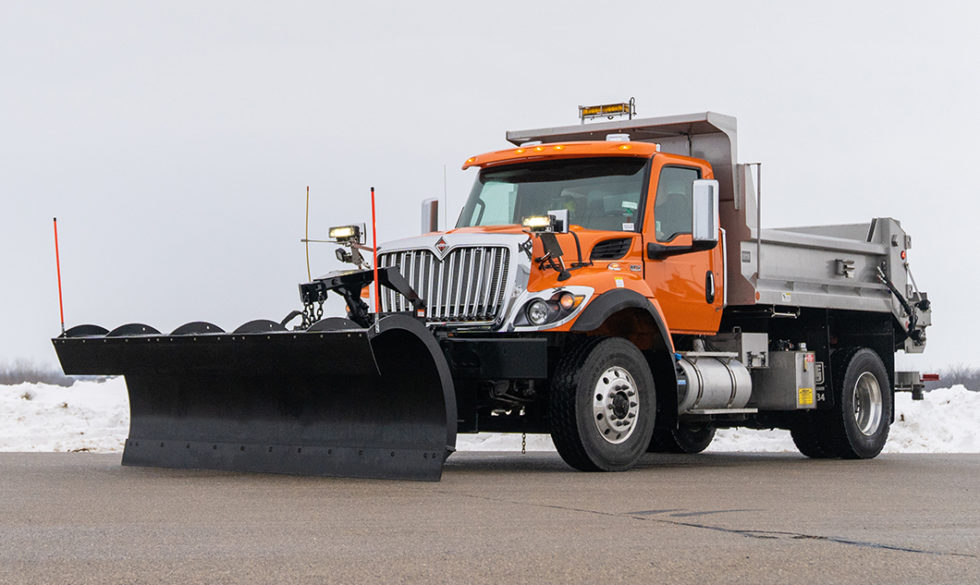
(497, 518)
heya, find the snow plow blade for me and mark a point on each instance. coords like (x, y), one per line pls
(336, 399)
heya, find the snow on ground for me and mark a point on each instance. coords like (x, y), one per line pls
(88, 416)
(94, 416)
(946, 421)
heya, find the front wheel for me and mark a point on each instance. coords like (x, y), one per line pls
(602, 405)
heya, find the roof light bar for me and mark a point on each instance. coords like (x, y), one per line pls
(607, 111)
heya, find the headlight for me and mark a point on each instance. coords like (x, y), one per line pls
(537, 312)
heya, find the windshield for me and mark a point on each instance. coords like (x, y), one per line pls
(599, 193)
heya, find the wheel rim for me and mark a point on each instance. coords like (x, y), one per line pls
(615, 405)
(867, 404)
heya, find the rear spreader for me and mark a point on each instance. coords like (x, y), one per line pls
(352, 397)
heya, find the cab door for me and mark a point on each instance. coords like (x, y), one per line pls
(688, 285)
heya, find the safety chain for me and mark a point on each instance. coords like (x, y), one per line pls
(523, 443)
(312, 314)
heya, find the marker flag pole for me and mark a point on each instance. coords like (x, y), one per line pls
(57, 262)
(374, 243)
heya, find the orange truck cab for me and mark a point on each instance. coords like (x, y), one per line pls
(608, 284)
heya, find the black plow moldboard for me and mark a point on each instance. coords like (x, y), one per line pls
(334, 400)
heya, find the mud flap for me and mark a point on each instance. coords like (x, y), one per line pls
(336, 400)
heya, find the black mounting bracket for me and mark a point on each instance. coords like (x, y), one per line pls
(349, 284)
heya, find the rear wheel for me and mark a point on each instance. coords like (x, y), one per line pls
(809, 437)
(863, 414)
(602, 405)
(686, 438)
(857, 426)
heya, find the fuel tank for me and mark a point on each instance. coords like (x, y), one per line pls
(712, 380)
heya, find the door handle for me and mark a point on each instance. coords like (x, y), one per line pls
(709, 287)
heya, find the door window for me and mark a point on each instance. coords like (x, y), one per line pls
(672, 211)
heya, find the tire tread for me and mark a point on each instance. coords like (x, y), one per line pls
(564, 428)
(823, 434)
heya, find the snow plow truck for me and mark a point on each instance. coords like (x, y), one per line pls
(606, 283)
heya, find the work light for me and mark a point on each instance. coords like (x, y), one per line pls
(346, 233)
(539, 223)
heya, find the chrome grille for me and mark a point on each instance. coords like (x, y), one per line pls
(465, 286)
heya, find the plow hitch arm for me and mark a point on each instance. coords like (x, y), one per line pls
(349, 284)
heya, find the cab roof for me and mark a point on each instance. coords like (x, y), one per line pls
(561, 150)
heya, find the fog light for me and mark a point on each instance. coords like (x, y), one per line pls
(537, 312)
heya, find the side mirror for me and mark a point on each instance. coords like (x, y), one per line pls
(704, 232)
(430, 215)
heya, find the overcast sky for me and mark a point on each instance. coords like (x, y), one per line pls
(175, 140)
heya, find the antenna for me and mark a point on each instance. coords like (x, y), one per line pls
(445, 201)
(309, 275)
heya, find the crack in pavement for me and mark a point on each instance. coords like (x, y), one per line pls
(706, 512)
(776, 534)
(648, 516)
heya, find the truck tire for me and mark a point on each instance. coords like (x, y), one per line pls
(686, 438)
(809, 437)
(857, 426)
(602, 405)
(862, 414)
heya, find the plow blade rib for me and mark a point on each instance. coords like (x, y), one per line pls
(340, 402)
